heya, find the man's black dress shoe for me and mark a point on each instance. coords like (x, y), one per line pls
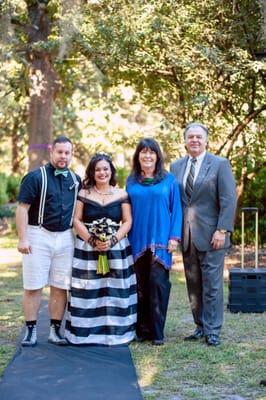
(140, 339)
(157, 342)
(212, 340)
(198, 334)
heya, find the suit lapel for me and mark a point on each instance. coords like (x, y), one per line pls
(182, 173)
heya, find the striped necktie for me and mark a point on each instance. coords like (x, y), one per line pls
(190, 179)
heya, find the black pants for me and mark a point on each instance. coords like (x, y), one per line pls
(153, 288)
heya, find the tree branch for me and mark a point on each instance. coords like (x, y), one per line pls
(241, 126)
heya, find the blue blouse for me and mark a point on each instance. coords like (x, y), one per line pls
(157, 217)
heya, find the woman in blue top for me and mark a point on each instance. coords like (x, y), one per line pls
(154, 235)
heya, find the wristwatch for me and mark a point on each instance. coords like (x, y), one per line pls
(222, 231)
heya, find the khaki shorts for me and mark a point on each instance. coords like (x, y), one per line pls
(50, 262)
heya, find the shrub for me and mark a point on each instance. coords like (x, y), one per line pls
(9, 187)
(13, 183)
(7, 212)
(3, 189)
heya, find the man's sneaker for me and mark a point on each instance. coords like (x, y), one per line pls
(30, 338)
(55, 336)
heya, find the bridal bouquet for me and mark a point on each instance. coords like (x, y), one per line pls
(103, 229)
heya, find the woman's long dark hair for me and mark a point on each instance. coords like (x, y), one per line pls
(148, 143)
(89, 180)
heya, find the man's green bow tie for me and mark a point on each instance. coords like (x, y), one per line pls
(61, 171)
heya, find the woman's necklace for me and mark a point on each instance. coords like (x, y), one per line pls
(103, 193)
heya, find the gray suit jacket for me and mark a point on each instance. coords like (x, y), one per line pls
(213, 202)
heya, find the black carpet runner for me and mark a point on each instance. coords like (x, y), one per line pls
(49, 372)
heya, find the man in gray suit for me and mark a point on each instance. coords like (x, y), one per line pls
(208, 194)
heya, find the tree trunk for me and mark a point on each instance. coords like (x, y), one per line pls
(42, 96)
(43, 88)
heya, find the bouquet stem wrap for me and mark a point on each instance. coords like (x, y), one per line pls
(103, 265)
(103, 229)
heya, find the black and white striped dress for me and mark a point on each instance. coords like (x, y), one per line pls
(102, 309)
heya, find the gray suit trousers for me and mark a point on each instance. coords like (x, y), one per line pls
(204, 276)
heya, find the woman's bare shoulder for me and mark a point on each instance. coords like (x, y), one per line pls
(121, 192)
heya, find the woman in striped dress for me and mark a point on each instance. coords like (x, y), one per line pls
(102, 305)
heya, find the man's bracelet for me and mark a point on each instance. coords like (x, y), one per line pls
(113, 240)
(92, 241)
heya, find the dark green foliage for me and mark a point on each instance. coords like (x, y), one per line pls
(9, 186)
(7, 212)
(3, 189)
(254, 196)
(13, 183)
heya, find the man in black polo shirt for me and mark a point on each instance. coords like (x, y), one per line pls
(44, 214)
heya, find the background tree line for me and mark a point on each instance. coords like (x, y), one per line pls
(106, 73)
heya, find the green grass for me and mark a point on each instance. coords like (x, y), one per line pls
(178, 370)
(182, 370)
(10, 311)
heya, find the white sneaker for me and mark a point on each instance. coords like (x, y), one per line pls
(30, 338)
(55, 336)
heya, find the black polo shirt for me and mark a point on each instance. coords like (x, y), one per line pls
(59, 198)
